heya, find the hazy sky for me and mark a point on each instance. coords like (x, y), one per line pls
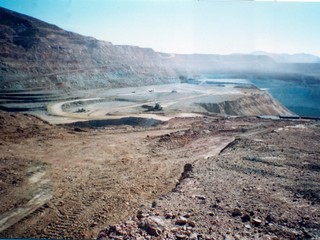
(186, 26)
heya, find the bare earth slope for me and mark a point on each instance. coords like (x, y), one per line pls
(229, 177)
(35, 54)
(201, 177)
(39, 55)
(264, 185)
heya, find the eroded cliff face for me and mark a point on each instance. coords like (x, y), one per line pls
(255, 104)
(34, 54)
(38, 55)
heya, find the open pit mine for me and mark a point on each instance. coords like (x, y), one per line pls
(121, 142)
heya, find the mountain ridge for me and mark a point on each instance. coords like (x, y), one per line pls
(292, 58)
(30, 54)
(38, 55)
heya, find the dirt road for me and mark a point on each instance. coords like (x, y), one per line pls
(263, 185)
(70, 183)
(95, 178)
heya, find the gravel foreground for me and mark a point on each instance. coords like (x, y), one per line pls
(206, 177)
(263, 185)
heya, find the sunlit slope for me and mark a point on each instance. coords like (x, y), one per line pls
(37, 55)
(34, 54)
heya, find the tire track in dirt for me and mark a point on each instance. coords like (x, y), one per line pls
(63, 226)
(101, 177)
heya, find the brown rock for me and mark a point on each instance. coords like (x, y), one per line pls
(122, 232)
(154, 226)
(152, 230)
(102, 236)
(141, 215)
(191, 223)
(93, 224)
(181, 221)
(174, 229)
(115, 228)
(130, 223)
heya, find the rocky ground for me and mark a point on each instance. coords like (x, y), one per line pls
(263, 185)
(189, 178)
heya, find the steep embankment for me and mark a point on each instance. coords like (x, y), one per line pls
(35, 54)
(255, 104)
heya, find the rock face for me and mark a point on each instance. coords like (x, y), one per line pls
(248, 106)
(35, 54)
(38, 55)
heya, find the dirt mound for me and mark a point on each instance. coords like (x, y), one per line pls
(252, 105)
(14, 126)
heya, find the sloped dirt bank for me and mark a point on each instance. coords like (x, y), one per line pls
(252, 105)
(108, 176)
(265, 185)
(96, 176)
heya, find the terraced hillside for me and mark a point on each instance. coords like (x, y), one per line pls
(35, 55)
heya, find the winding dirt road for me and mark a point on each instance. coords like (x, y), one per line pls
(133, 101)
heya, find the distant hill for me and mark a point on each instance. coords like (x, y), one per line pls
(38, 55)
(290, 58)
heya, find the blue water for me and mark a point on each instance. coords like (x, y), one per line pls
(301, 99)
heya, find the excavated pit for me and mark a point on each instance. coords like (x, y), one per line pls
(131, 121)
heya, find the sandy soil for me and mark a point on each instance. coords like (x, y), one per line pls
(96, 177)
(71, 183)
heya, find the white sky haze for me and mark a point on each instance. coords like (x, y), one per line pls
(186, 26)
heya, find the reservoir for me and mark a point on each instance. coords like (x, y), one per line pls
(302, 99)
